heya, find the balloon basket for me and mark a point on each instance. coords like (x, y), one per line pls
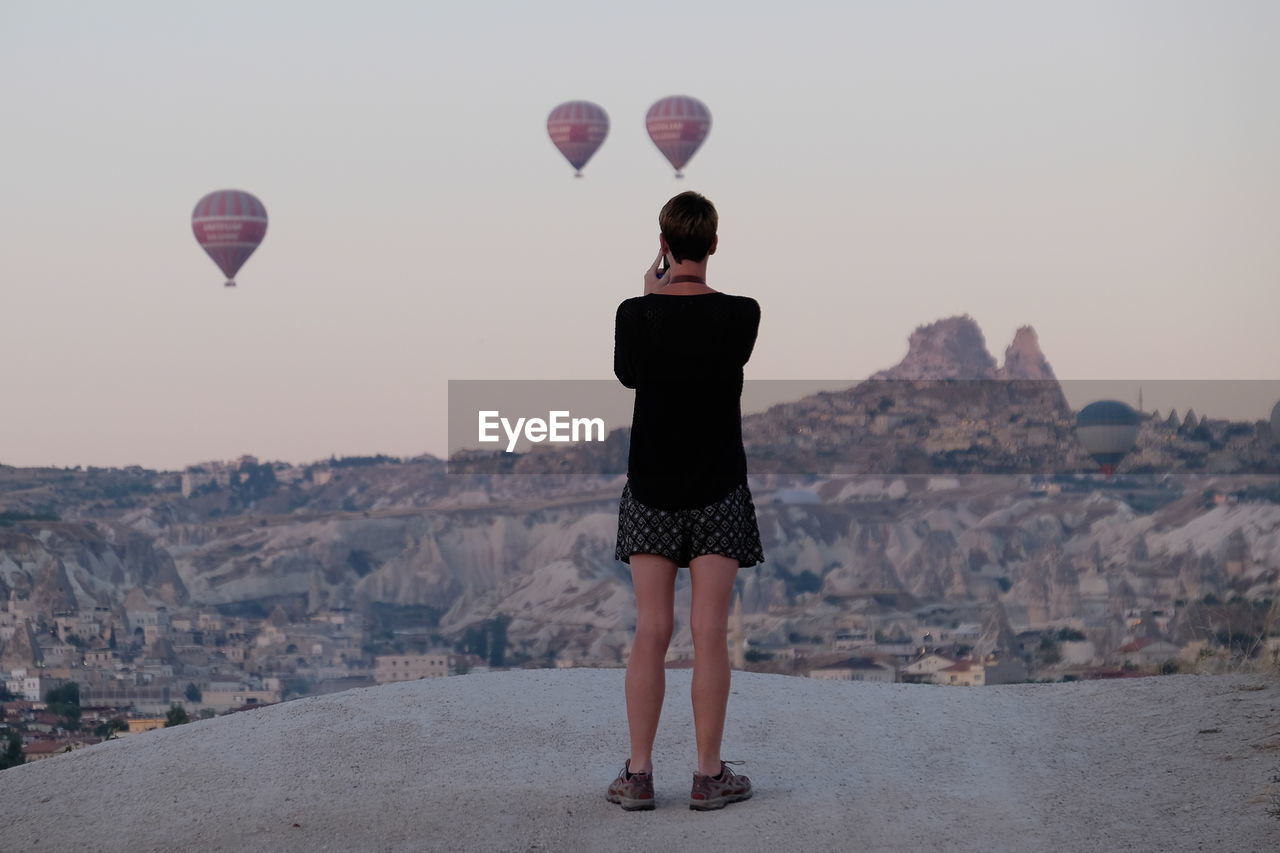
(229, 283)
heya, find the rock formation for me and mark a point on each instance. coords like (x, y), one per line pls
(1023, 358)
(952, 348)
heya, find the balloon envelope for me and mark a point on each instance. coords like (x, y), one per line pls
(677, 125)
(1108, 430)
(229, 225)
(578, 129)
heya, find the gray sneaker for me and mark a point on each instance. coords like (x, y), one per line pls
(716, 792)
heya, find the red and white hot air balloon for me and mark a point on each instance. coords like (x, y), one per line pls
(229, 225)
(578, 129)
(677, 125)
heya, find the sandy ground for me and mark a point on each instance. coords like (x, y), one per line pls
(520, 761)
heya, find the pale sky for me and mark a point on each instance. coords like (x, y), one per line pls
(1107, 172)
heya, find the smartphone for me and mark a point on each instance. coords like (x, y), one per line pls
(663, 266)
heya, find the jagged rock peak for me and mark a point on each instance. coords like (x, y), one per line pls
(1023, 359)
(278, 617)
(22, 650)
(951, 348)
(53, 592)
(997, 634)
(136, 599)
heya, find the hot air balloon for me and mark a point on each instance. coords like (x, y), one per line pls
(1107, 429)
(229, 225)
(578, 129)
(677, 125)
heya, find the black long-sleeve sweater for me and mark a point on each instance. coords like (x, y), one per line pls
(684, 355)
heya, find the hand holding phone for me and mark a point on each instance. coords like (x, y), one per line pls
(653, 280)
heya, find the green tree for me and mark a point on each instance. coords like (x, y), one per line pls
(68, 693)
(177, 716)
(110, 727)
(12, 756)
(192, 692)
(253, 482)
(498, 641)
(298, 686)
(1049, 651)
(65, 702)
(475, 641)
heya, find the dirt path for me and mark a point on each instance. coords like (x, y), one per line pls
(520, 761)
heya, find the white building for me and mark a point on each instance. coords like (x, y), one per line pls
(389, 668)
(13, 682)
(80, 623)
(925, 667)
(225, 700)
(148, 617)
(35, 685)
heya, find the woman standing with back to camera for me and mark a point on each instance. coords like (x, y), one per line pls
(682, 347)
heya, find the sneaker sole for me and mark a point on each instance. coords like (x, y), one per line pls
(631, 805)
(718, 802)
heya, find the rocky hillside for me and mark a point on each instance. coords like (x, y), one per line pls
(899, 493)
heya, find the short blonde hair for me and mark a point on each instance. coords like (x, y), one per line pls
(688, 223)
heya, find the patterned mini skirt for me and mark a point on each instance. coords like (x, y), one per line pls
(727, 527)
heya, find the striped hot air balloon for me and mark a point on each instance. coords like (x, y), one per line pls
(677, 125)
(1107, 429)
(578, 129)
(229, 225)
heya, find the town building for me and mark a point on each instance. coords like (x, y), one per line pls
(856, 669)
(389, 668)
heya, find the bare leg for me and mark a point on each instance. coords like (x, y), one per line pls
(712, 577)
(654, 579)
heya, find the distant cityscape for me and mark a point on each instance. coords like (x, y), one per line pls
(139, 672)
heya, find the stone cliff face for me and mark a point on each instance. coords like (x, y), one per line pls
(52, 591)
(953, 348)
(874, 545)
